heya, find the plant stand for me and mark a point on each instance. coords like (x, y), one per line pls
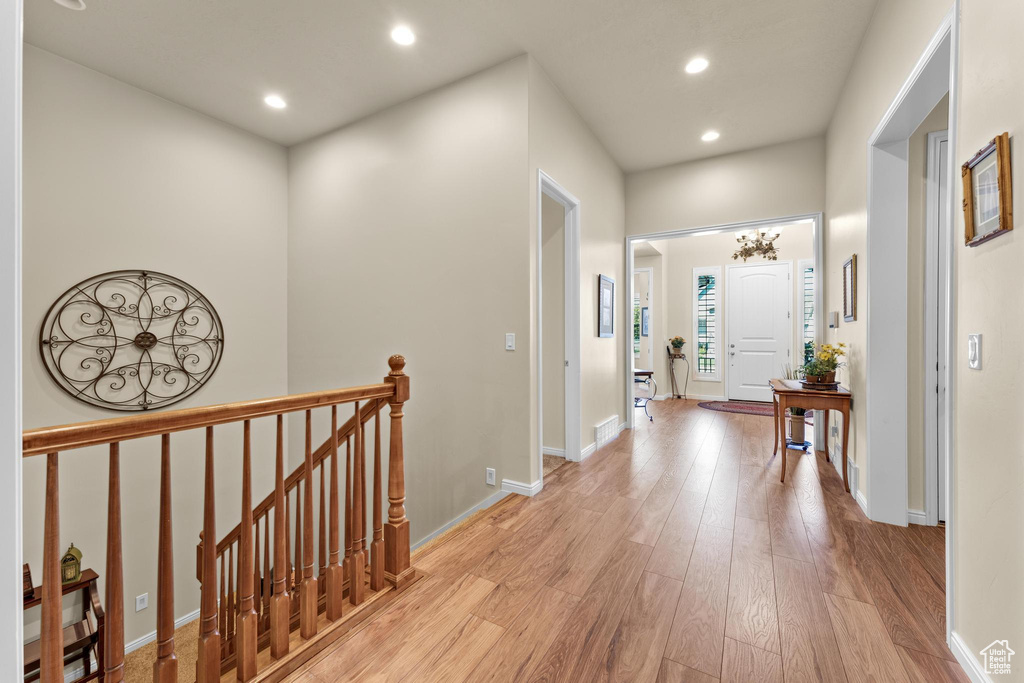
(672, 358)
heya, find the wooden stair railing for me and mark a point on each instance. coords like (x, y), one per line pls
(231, 612)
(271, 615)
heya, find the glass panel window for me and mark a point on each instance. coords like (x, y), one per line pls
(706, 323)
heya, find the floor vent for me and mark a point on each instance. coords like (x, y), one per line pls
(606, 431)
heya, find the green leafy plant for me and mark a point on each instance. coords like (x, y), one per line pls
(677, 342)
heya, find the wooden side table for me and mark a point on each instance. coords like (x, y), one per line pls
(789, 393)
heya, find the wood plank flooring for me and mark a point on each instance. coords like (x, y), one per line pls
(672, 554)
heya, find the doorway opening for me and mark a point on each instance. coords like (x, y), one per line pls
(757, 309)
(558, 325)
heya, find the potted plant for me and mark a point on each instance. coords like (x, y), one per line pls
(813, 371)
(677, 344)
(828, 357)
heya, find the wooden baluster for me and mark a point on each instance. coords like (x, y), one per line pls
(308, 592)
(335, 575)
(377, 549)
(257, 582)
(288, 537)
(268, 583)
(396, 533)
(165, 668)
(280, 603)
(322, 531)
(51, 664)
(113, 655)
(347, 564)
(245, 635)
(222, 605)
(229, 633)
(208, 660)
(356, 586)
(296, 586)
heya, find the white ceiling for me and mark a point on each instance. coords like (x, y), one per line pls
(776, 66)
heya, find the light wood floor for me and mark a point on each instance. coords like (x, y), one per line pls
(672, 554)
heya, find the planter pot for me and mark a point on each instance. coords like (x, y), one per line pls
(796, 429)
(829, 377)
(812, 379)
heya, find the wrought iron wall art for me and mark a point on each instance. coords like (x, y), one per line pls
(131, 340)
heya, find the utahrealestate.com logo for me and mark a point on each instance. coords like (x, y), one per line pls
(997, 657)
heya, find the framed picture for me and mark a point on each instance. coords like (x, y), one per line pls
(850, 289)
(988, 195)
(605, 306)
(645, 322)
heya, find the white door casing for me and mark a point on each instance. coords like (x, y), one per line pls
(759, 302)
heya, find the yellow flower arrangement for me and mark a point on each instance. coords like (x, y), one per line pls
(827, 359)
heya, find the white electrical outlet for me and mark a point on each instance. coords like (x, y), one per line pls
(490, 476)
(141, 602)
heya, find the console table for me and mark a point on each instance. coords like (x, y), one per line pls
(790, 393)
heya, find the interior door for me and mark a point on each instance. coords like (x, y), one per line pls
(759, 305)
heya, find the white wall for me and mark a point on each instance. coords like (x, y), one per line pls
(563, 147)
(896, 37)
(117, 178)
(769, 182)
(990, 295)
(659, 335)
(390, 218)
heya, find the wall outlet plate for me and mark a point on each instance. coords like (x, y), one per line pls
(510, 341)
(490, 476)
(141, 602)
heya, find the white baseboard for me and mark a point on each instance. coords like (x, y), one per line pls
(510, 486)
(706, 397)
(863, 502)
(485, 503)
(557, 452)
(919, 517)
(662, 397)
(967, 659)
(588, 451)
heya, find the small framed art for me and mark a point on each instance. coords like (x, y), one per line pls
(605, 306)
(988, 192)
(645, 322)
(850, 289)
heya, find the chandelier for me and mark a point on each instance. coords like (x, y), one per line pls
(760, 241)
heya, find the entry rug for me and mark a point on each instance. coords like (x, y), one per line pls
(747, 408)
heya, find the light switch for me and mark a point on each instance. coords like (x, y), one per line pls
(510, 341)
(974, 351)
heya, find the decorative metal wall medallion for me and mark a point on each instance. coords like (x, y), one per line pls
(131, 340)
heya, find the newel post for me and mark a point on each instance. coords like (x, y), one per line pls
(396, 531)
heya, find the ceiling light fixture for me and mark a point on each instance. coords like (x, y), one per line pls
(71, 4)
(275, 101)
(696, 65)
(403, 35)
(710, 136)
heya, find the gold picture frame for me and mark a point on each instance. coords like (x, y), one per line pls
(988, 192)
(850, 289)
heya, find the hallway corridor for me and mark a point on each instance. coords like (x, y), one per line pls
(672, 554)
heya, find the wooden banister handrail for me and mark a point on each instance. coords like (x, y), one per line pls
(97, 432)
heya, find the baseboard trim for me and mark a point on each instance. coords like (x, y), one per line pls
(511, 486)
(919, 517)
(557, 452)
(967, 660)
(863, 503)
(588, 451)
(485, 503)
(706, 397)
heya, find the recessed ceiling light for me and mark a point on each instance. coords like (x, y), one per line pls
(403, 35)
(696, 65)
(710, 136)
(71, 4)
(275, 101)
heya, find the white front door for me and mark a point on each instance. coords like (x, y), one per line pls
(760, 333)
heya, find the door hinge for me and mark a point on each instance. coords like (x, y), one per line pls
(566, 363)
(788, 314)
